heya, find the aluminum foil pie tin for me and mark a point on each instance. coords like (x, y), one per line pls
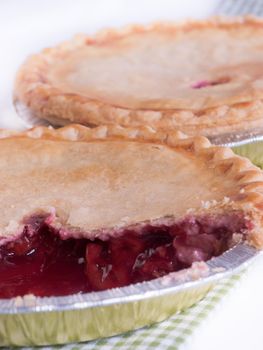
(81, 317)
(233, 139)
(56, 320)
(238, 138)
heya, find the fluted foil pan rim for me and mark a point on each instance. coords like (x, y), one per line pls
(219, 267)
(238, 138)
(232, 139)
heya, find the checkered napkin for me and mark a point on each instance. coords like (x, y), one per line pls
(177, 330)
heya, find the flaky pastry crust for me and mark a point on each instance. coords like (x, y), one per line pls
(233, 102)
(221, 182)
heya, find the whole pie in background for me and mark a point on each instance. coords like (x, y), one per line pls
(92, 209)
(201, 77)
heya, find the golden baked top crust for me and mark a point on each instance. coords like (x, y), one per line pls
(206, 74)
(109, 177)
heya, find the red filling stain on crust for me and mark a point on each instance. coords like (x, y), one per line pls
(205, 83)
(39, 262)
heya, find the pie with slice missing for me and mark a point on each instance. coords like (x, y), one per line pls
(201, 77)
(92, 209)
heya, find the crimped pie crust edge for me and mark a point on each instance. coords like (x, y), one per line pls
(45, 101)
(248, 178)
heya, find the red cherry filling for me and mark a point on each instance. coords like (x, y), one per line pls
(42, 264)
(39, 262)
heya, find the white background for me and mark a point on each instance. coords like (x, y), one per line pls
(26, 26)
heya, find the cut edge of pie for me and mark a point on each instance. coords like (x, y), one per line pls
(34, 90)
(196, 236)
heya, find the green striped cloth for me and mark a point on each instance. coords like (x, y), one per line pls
(168, 335)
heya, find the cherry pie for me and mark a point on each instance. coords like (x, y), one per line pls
(201, 77)
(93, 209)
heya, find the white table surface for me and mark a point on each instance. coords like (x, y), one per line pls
(26, 26)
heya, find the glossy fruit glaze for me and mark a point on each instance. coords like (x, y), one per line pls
(39, 262)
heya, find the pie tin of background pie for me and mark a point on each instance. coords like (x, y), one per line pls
(253, 151)
(229, 139)
(56, 320)
(239, 138)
